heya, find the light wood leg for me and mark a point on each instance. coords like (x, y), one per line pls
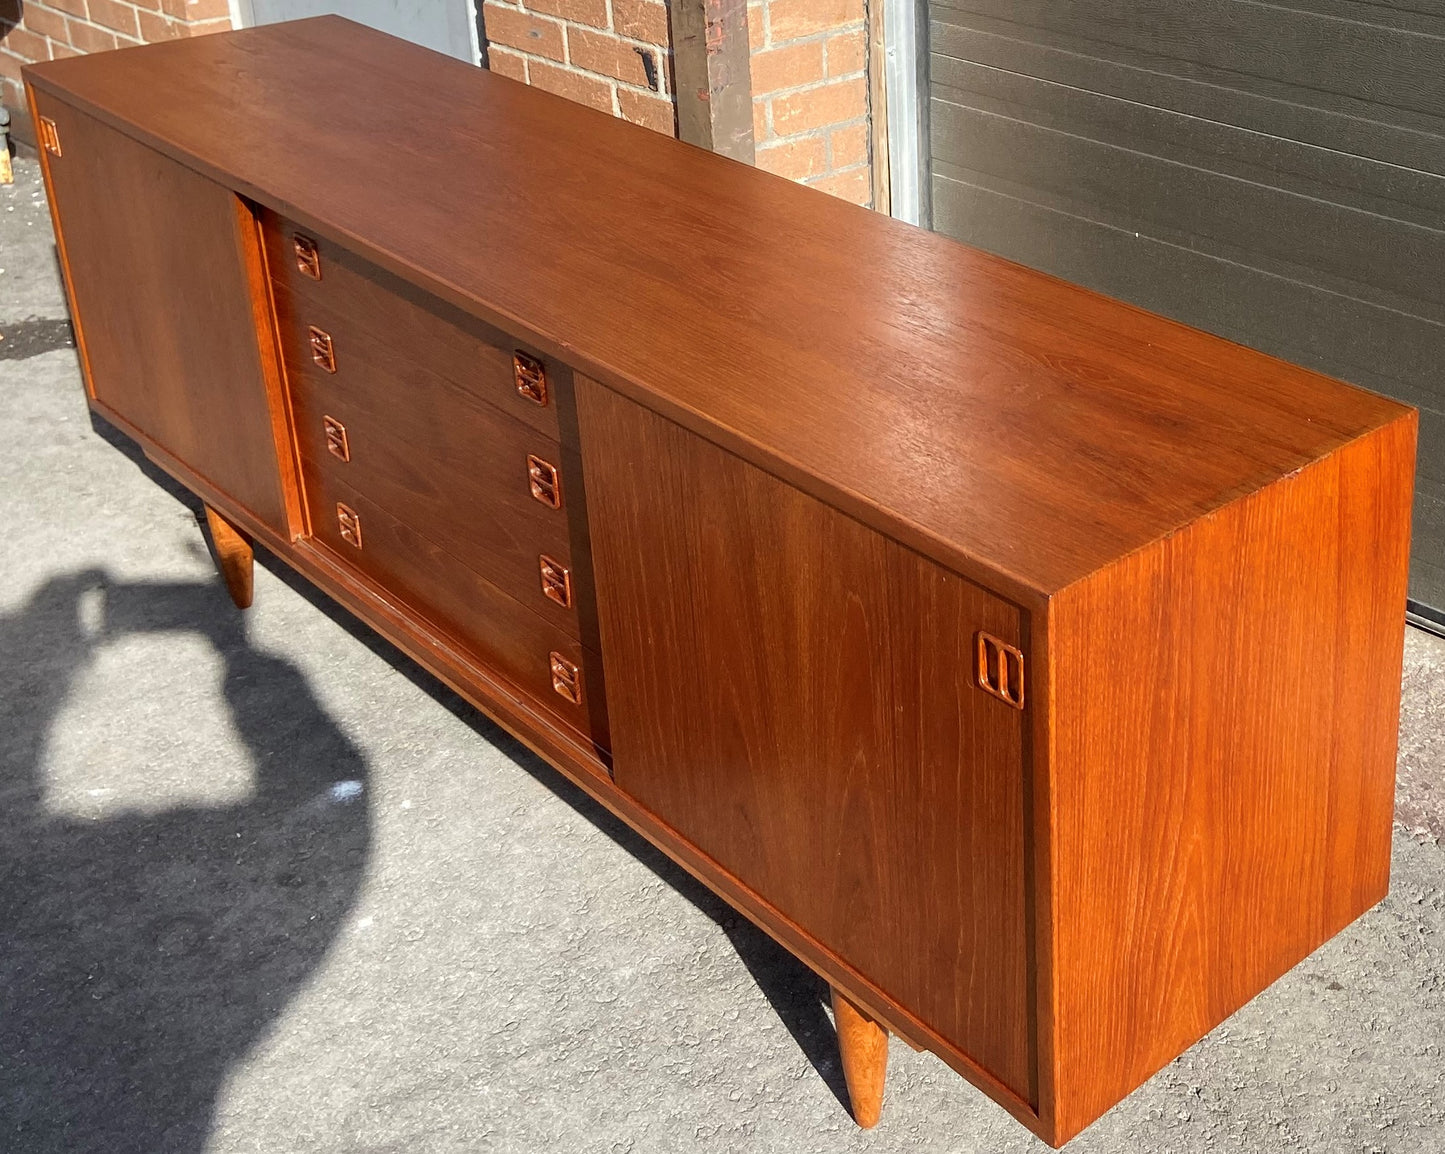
(863, 1044)
(233, 556)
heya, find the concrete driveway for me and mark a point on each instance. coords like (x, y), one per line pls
(266, 886)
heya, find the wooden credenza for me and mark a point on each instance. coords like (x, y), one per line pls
(1025, 663)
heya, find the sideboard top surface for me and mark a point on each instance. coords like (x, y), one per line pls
(1024, 430)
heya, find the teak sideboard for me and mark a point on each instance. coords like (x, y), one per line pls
(1027, 664)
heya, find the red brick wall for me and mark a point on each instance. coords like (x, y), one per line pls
(808, 61)
(810, 93)
(31, 31)
(610, 54)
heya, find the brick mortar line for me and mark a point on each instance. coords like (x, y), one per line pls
(811, 86)
(124, 39)
(767, 24)
(827, 146)
(821, 38)
(159, 13)
(521, 56)
(660, 57)
(661, 92)
(867, 161)
(813, 37)
(576, 70)
(829, 170)
(820, 131)
(767, 117)
(572, 70)
(90, 22)
(51, 43)
(630, 41)
(825, 138)
(662, 53)
(563, 23)
(863, 166)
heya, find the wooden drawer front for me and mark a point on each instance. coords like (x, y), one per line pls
(415, 328)
(454, 469)
(505, 636)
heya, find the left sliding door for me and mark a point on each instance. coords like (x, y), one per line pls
(158, 263)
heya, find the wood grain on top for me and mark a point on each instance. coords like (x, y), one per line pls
(1020, 429)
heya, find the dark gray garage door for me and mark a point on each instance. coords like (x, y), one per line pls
(1274, 173)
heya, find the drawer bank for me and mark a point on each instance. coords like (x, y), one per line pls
(1026, 664)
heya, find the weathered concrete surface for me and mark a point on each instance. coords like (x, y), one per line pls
(1420, 791)
(264, 886)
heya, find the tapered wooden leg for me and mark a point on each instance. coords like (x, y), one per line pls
(233, 556)
(863, 1044)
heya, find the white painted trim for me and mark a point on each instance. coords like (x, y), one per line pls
(905, 47)
(242, 15)
(472, 32)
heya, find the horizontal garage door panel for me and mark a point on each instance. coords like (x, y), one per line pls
(1370, 53)
(1217, 163)
(1362, 252)
(1243, 153)
(1351, 127)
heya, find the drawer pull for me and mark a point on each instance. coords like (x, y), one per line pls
(1000, 670)
(322, 350)
(350, 523)
(556, 581)
(531, 377)
(566, 678)
(49, 136)
(336, 442)
(308, 257)
(545, 482)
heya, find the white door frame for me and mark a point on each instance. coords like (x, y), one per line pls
(905, 75)
(243, 15)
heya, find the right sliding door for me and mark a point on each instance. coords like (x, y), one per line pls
(1273, 173)
(794, 694)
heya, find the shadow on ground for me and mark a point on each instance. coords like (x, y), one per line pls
(143, 954)
(797, 995)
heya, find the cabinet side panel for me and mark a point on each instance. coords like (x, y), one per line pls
(161, 295)
(1225, 718)
(793, 693)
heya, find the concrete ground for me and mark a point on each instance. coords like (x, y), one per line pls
(266, 886)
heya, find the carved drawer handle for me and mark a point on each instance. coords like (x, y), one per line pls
(566, 678)
(49, 136)
(1000, 670)
(308, 256)
(556, 581)
(323, 352)
(545, 482)
(531, 377)
(350, 523)
(337, 443)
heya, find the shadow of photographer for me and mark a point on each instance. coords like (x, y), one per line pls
(796, 994)
(145, 953)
